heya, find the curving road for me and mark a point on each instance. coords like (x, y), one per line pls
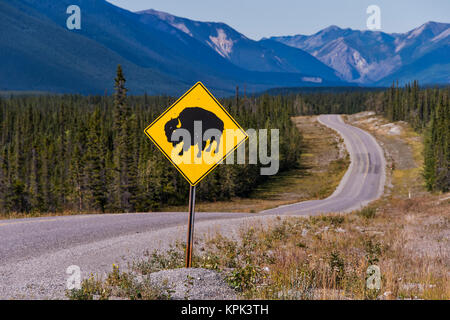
(35, 252)
(363, 181)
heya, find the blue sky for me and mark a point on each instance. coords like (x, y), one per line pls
(264, 18)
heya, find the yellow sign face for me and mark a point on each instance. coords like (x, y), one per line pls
(196, 133)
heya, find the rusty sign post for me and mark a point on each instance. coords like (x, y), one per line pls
(190, 232)
(174, 133)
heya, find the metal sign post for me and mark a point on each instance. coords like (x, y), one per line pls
(190, 233)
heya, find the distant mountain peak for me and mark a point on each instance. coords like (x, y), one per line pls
(263, 55)
(153, 11)
(430, 26)
(368, 56)
(436, 23)
(332, 28)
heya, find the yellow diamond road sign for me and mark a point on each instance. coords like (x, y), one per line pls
(196, 133)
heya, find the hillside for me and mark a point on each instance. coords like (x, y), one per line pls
(367, 57)
(40, 54)
(264, 55)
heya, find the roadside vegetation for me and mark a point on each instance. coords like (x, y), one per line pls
(320, 257)
(428, 112)
(118, 285)
(405, 234)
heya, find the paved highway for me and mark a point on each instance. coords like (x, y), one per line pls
(363, 181)
(35, 252)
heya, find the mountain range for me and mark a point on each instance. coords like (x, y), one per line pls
(164, 54)
(378, 58)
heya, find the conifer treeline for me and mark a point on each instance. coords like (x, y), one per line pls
(428, 112)
(90, 154)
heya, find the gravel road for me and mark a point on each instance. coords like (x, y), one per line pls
(35, 252)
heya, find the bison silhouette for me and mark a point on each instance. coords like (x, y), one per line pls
(186, 120)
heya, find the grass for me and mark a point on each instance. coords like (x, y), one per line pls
(318, 257)
(22, 215)
(118, 285)
(367, 212)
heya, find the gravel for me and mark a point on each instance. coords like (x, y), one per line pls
(193, 284)
(45, 277)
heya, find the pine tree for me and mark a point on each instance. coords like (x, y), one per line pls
(37, 201)
(95, 164)
(2, 187)
(77, 170)
(429, 157)
(441, 144)
(125, 155)
(70, 152)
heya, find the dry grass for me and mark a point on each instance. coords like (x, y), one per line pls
(319, 257)
(327, 257)
(118, 286)
(22, 215)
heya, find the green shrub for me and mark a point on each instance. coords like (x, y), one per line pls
(367, 212)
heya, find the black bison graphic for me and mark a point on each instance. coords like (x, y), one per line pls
(186, 120)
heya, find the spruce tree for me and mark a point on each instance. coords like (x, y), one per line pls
(441, 145)
(2, 187)
(95, 164)
(78, 170)
(125, 161)
(429, 157)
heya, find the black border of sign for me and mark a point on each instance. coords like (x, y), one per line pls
(218, 162)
